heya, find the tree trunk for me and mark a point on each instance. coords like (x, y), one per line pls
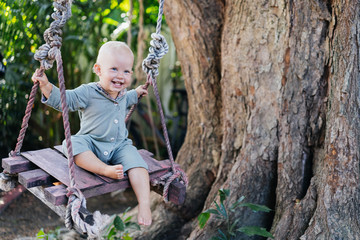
(273, 90)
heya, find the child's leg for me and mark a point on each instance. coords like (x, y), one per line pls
(88, 160)
(139, 179)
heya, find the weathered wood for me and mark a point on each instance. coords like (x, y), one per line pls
(56, 195)
(39, 193)
(56, 165)
(16, 164)
(59, 210)
(177, 192)
(34, 178)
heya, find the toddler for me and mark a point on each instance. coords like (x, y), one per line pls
(102, 145)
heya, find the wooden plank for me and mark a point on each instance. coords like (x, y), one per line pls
(16, 164)
(176, 194)
(58, 148)
(53, 160)
(59, 210)
(39, 193)
(34, 178)
(56, 195)
(56, 165)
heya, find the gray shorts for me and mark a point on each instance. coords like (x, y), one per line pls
(123, 153)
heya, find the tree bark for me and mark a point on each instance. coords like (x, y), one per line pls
(192, 25)
(273, 92)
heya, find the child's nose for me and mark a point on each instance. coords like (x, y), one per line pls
(121, 75)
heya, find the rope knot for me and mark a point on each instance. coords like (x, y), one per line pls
(177, 174)
(7, 182)
(158, 48)
(47, 52)
(76, 214)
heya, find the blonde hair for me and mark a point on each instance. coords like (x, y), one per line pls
(113, 45)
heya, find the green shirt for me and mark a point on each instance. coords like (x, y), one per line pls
(101, 116)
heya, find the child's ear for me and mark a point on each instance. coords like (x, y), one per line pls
(97, 69)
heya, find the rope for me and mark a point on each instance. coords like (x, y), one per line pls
(7, 182)
(76, 199)
(158, 48)
(46, 55)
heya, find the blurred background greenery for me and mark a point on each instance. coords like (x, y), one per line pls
(93, 22)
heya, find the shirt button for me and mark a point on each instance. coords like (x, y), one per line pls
(112, 139)
(116, 121)
(106, 153)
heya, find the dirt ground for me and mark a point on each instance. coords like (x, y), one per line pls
(26, 215)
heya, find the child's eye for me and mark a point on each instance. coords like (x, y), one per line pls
(114, 69)
(127, 72)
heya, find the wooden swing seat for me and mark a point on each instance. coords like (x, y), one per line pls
(45, 173)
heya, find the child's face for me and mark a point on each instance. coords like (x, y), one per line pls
(114, 70)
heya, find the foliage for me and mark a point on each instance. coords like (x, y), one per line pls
(222, 212)
(120, 229)
(51, 235)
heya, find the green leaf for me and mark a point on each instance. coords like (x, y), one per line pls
(256, 207)
(128, 219)
(127, 237)
(216, 238)
(221, 209)
(132, 225)
(212, 211)
(119, 224)
(111, 233)
(233, 225)
(222, 235)
(203, 218)
(253, 230)
(237, 203)
(40, 234)
(223, 193)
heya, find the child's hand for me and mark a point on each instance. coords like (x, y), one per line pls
(141, 91)
(43, 81)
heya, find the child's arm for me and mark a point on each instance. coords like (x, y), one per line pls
(141, 91)
(45, 85)
(75, 99)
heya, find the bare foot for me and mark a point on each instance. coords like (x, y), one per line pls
(114, 171)
(144, 215)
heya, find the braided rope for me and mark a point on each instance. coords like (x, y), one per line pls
(158, 48)
(76, 199)
(179, 173)
(25, 121)
(46, 55)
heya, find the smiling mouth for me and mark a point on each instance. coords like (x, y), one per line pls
(117, 84)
